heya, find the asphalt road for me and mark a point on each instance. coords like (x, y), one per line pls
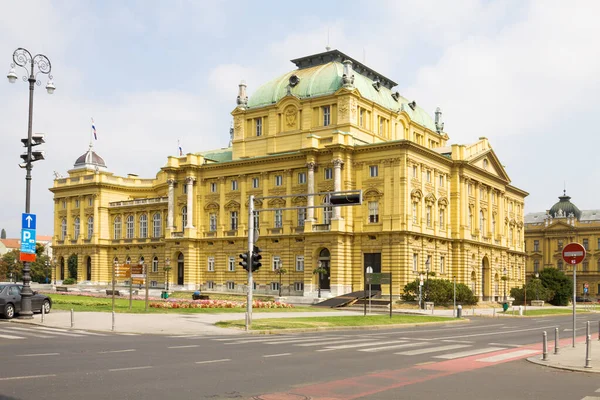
(484, 358)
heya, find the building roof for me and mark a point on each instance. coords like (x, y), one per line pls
(321, 74)
(11, 243)
(90, 160)
(220, 155)
(564, 208)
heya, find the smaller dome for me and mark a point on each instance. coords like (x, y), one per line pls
(564, 208)
(90, 159)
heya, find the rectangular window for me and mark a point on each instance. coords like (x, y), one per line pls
(155, 264)
(536, 245)
(361, 117)
(233, 216)
(258, 126)
(560, 244)
(299, 263)
(442, 265)
(90, 228)
(442, 218)
(441, 180)
(373, 171)
(275, 286)
(210, 284)
(278, 218)
(428, 215)
(327, 214)
(381, 126)
(373, 212)
(129, 226)
(278, 180)
(301, 178)
(254, 285)
(414, 171)
(184, 188)
(536, 266)
(76, 203)
(230, 285)
(470, 189)
(598, 244)
(211, 264)
(231, 264)
(326, 115)
(415, 262)
(586, 244)
(586, 266)
(64, 206)
(276, 263)
(234, 185)
(428, 175)
(414, 213)
(153, 283)
(255, 183)
(213, 222)
(213, 187)
(90, 201)
(299, 286)
(301, 216)
(328, 173)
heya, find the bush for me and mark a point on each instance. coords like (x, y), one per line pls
(535, 291)
(439, 291)
(69, 281)
(560, 284)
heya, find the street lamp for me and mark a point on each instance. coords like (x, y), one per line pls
(33, 65)
(420, 290)
(427, 278)
(537, 275)
(55, 269)
(167, 269)
(504, 278)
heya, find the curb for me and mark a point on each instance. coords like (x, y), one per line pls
(535, 360)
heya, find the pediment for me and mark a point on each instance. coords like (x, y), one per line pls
(489, 162)
(559, 226)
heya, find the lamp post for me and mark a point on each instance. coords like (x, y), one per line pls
(504, 278)
(47, 267)
(55, 269)
(33, 65)
(427, 278)
(537, 276)
(420, 290)
(167, 269)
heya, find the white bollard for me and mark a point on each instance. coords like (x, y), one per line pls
(72, 318)
(521, 311)
(588, 351)
(113, 321)
(43, 313)
(555, 340)
(545, 347)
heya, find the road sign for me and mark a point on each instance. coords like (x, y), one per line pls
(136, 281)
(28, 221)
(137, 269)
(573, 253)
(141, 276)
(379, 278)
(28, 241)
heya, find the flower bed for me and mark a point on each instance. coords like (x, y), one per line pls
(178, 303)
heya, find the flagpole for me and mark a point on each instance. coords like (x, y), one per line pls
(91, 132)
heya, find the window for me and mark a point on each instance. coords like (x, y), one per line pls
(442, 218)
(511, 232)
(536, 266)
(254, 285)
(153, 283)
(598, 244)
(184, 189)
(327, 214)
(231, 264)
(598, 267)
(415, 262)
(155, 264)
(213, 187)
(63, 229)
(256, 220)
(560, 244)
(442, 265)
(373, 212)
(184, 217)
(255, 183)
(278, 180)
(276, 263)
(493, 224)
(373, 171)
(326, 115)
(301, 216)
(428, 176)
(90, 201)
(212, 218)
(328, 173)
(299, 286)
(361, 117)
(381, 126)
(234, 185)
(414, 213)
(428, 216)
(586, 244)
(90, 227)
(143, 226)
(76, 203)
(301, 178)
(470, 189)
(481, 222)
(76, 229)
(278, 218)
(211, 264)
(414, 171)
(586, 266)
(230, 285)
(470, 219)
(493, 197)
(64, 204)
(441, 180)
(258, 126)
(275, 286)
(299, 263)
(210, 284)
(129, 227)
(536, 245)
(233, 219)
(156, 225)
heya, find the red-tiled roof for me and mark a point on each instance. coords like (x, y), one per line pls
(11, 243)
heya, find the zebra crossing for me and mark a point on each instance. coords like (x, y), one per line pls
(9, 331)
(401, 346)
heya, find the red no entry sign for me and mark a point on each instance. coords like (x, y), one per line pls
(573, 253)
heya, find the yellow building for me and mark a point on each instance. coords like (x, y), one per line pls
(331, 124)
(546, 233)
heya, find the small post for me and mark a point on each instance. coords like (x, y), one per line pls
(598, 330)
(43, 313)
(72, 318)
(494, 312)
(146, 279)
(130, 291)
(556, 340)
(473, 309)
(587, 329)
(247, 324)
(432, 307)
(113, 321)
(545, 347)
(588, 351)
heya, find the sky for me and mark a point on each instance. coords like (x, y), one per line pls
(524, 74)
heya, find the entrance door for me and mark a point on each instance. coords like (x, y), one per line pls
(373, 260)
(62, 269)
(180, 269)
(89, 269)
(324, 279)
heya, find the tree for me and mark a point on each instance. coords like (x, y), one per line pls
(535, 291)
(560, 284)
(280, 271)
(441, 291)
(3, 234)
(10, 267)
(72, 266)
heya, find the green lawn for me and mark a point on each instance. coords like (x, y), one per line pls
(548, 311)
(342, 321)
(219, 296)
(82, 303)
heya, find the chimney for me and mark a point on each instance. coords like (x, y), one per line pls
(242, 98)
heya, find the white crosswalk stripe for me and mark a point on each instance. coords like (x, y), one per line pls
(432, 349)
(468, 353)
(13, 332)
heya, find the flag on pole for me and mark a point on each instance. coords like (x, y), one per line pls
(180, 149)
(94, 129)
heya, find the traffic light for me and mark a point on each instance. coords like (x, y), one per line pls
(244, 262)
(256, 257)
(343, 199)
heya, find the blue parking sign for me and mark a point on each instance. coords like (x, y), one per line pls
(28, 241)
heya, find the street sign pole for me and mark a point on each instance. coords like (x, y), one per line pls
(574, 253)
(113, 286)
(146, 279)
(574, 298)
(250, 250)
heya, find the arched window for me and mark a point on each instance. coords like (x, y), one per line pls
(156, 225)
(117, 228)
(143, 226)
(155, 264)
(76, 226)
(183, 217)
(63, 229)
(141, 260)
(481, 222)
(128, 260)
(115, 261)
(129, 227)
(442, 218)
(90, 227)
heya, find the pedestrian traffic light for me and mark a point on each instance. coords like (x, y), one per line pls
(244, 262)
(256, 257)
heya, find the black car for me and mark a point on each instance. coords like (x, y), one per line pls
(10, 300)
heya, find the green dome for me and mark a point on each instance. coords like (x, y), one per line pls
(326, 79)
(564, 208)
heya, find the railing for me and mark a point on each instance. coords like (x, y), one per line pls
(321, 227)
(176, 234)
(137, 202)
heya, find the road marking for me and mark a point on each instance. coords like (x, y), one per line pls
(182, 347)
(116, 351)
(129, 369)
(591, 398)
(277, 355)
(459, 341)
(26, 377)
(494, 333)
(58, 332)
(39, 354)
(29, 332)
(273, 340)
(506, 345)
(213, 361)
(468, 353)
(597, 390)
(287, 341)
(11, 337)
(351, 346)
(432, 349)
(330, 342)
(507, 356)
(398, 346)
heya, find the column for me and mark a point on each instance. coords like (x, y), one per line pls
(337, 183)
(189, 181)
(171, 195)
(310, 201)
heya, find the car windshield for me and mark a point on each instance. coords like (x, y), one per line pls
(2, 287)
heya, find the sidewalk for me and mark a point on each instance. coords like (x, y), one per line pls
(571, 358)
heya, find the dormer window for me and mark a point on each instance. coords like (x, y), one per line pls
(258, 126)
(326, 115)
(377, 85)
(294, 80)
